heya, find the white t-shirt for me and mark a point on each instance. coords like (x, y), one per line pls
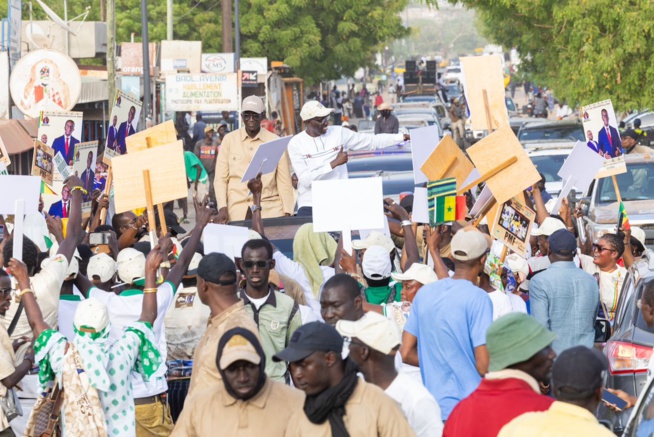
(518, 304)
(501, 304)
(185, 322)
(258, 303)
(610, 283)
(126, 308)
(68, 304)
(419, 406)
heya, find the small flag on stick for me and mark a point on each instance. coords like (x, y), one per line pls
(444, 205)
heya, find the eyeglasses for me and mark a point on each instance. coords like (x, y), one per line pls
(261, 264)
(6, 292)
(599, 248)
(250, 116)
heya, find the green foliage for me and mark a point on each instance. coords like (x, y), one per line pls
(586, 50)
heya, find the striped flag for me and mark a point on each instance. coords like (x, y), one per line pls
(623, 220)
(444, 205)
(45, 189)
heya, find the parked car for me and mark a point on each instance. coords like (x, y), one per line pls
(562, 132)
(438, 106)
(453, 73)
(548, 161)
(637, 191)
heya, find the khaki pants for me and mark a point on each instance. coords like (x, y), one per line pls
(153, 420)
(458, 131)
(203, 188)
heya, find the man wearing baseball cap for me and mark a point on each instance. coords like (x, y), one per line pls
(521, 358)
(446, 332)
(236, 151)
(320, 151)
(386, 123)
(578, 376)
(337, 401)
(373, 346)
(564, 298)
(247, 402)
(541, 262)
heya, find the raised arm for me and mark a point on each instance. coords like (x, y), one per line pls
(18, 270)
(541, 211)
(149, 308)
(433, 241)
(410, 243)
(74, 228)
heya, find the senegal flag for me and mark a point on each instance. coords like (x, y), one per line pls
(623, 220)
(45, 189)
(444, 205)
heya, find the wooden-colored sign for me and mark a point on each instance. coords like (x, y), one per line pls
(158, 135)
(447, 161)
(43, 162)
(512, 226)
(484, 91)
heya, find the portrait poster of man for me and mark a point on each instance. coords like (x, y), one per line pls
(43, 162)
(62, 131)
(123, 122)
(84, 168)
(602, 136)
(513, 225)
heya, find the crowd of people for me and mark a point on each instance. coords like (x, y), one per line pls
(427, 331)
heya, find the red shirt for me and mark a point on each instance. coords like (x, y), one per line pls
(268, 125)
(494, 404)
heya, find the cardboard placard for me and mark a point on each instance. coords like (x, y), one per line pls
(512, 226)
(4, 156)
(447, 161)
(482, 200)
(485, 73)
(266, 158)
(125, 116)
(225, 239)
(490, 156)
(423, 142)
(420, 212)
(347, 204)
(57, 127)
(25, 188)
(159, 135)
(167, 176)
(602, 136)
(84, 168)
(43, 162)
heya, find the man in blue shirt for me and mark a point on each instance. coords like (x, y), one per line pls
(564, 298)
(446, 330)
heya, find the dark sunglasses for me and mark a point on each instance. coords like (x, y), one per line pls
(250, 116)
(6, 292)
(599, 248)
(261, 264)
(321, 120)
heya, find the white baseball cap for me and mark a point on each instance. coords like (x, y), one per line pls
(638, 234)
(517, 264)
(468, 244)
(374, 330)
(101, 265)
(374, 238)
(193, 265)
(314, 109)
(252, 104)
(91, 316)
(417, 272)
(131, 265)
(376, 263)
(549, 226)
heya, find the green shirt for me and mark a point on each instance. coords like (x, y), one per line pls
(380, 295)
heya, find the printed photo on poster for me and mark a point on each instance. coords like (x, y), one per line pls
(84, 168)
(123, 122)
(43, 163)
(61, 131)
(602, 136)
(101, 172)
(513, 225)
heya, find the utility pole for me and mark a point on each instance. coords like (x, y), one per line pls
(228, 42)
(169, 18)
(111, 47)
(146, 59)
(237, 33)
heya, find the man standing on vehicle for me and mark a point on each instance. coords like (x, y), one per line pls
(320, 151)
(458, 117)
(386, 123)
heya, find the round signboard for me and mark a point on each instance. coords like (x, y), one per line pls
(45, 80)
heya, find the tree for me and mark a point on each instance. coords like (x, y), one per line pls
(585, 50)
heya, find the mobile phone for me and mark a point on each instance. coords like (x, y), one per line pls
(99, 238)
(610, 398)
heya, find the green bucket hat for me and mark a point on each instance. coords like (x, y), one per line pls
(515, 338)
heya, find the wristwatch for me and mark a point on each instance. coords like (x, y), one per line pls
(255, 208)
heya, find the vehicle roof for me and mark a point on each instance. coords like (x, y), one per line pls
(544, 145)
(533, 124)
(549, 151)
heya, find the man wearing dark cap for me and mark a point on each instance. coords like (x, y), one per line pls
(640, 132)
(630, 139)
(521, 357)
(338, 402)
(578, 376)
(172, 223)
(564, 298)
(248, 402)
(217, 288)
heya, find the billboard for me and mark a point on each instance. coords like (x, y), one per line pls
(208, 92)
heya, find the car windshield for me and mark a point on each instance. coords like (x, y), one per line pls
(566, 132)
(549, 166)
(419, 99)
(636, 184)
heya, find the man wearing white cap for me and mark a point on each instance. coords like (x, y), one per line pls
(374, 341)
(386, 123)
(236, 152)
(320, 152)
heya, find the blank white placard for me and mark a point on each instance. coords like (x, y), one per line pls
(225, 239)
(423, 142)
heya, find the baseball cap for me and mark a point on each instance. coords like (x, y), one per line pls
(172, 222)
(314, 109)
(131, 265)
(517, 264)
(578, 372)
(385, 107)
(213, 266)
(638, 234)
(549, 226)
(374, 330)
(514, 338)
(208, 129)
(374, 238)
(310, 338)
(468, 244)
(101, 265)
(376, 263)
(91, 316)
(252, 104)
(238, 348)
(631, 134)
(417, 272)
(563, 242)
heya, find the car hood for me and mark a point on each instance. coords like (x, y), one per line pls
(638, 211)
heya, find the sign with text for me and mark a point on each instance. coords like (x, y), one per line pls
(131, 58)
(249, 79)
(218, 62)
(210, 92)
(602, 136)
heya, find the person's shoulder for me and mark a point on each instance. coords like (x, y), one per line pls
(266, 135)
(374, 395)
(524, 423)
(290, 395)
(283, 299)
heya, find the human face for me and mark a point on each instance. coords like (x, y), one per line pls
(358, 352)
(252, 120)
(589, 134)
(310, 374)
(115, 120)
(410, 289)
(605, 117)
(242, 377)
(294, 181)
(89, 160)
(65, 193)
(319, 125)
(628, 142)
(335, 305)
(129, 219)
(44, 139)
(540, 365)
(604, 255)
(69, 128)
(5, 294)
(256, 275)
(543, 245)
(130, 115)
